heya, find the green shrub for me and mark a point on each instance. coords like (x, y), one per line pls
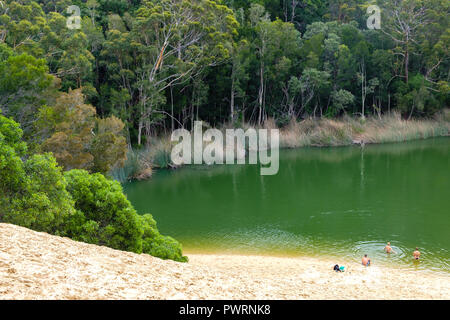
(35, 194)
(48, 204)
(158, 245)
(106, 216)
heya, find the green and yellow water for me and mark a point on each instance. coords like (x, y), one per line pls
(342, 202)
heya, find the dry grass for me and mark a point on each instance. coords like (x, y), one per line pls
(395, 129)
(345, 131)
(323, 132)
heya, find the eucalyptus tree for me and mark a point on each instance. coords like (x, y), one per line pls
(418, 30)
(310, 84)
(403, 21)
(239, 73)
(341, 99)
(71, 130)
(277, 46)
(344, 10)
(27, 28)
(283, 62)
(21, 25)
(175, 40)
(24, 86)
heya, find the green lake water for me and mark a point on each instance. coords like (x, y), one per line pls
(324, 201)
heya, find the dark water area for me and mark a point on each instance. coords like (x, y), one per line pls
(345, 201)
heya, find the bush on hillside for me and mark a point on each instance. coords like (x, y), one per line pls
(158, 245)
(34, 193)
(105, 217)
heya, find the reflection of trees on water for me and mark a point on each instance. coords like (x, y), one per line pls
(337, 154)
(362, 169)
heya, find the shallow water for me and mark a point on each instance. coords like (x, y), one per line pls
(330, 201)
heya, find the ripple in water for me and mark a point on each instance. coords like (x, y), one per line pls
(268, 241)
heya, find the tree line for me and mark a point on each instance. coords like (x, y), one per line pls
(145, 67)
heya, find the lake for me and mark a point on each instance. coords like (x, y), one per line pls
(344, 201)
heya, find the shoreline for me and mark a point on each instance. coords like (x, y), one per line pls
(315, 133)
(328, 257)
(36, 265)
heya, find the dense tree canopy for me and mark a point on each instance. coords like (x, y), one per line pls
(161, 64)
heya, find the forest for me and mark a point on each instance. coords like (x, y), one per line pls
(77, 93)
(146, 67)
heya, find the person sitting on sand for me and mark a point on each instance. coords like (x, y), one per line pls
(416, 254)
(365, 261)
(388, 248)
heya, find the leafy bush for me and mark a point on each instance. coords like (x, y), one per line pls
(158, 245)
(34, 191)
(78, 138)
(105, 216)
(86, 207)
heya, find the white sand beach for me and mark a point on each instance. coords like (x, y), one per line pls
(36, 265)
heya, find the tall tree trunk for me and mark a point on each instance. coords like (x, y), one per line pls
(171, 111)
(294, 4)
(407, 63)
(410, 114)
(389, 103)
(232, 99)
(141, 126)
(261, 92)
(363, 90)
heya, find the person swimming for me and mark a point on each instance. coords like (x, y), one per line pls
(388, 248)
(365, 261)
(416, 254)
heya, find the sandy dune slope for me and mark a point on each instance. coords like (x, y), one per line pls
(40, 266)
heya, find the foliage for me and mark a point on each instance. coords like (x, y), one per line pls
(33, 191)
(162, 64)
(105, 217)
(86, 207)
(158, 245)
(80, 140)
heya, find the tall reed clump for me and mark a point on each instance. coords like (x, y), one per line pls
(348, 130)
(157, 153)
(129, 169)
(326, 132)
(140, 163)
(136, 167)
(445, 115)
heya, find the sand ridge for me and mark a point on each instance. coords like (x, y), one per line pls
(36, 265)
